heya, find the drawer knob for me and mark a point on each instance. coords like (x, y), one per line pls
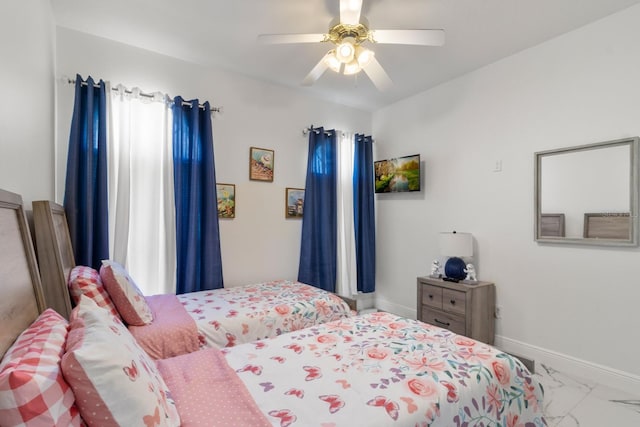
(430, 296)
(453, 302)
(441, 322)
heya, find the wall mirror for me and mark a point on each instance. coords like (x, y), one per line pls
(588, 194)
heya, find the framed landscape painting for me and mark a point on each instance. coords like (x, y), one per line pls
(226, 197)
(397, 175)
(261, 164)
(294, 202)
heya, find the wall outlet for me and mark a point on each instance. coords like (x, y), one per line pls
(498, 313)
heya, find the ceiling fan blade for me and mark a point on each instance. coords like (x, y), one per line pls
(316, 72)
(416, 37)
(350, 11)
(290, 38)
(378, 76)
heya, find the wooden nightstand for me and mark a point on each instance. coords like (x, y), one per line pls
(466, 309)
(353, 305)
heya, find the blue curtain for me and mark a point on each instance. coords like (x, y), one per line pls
(85, 196)
(199, 262)
(364, 214)
(318, 251)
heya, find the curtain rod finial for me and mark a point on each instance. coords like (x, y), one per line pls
(307, 130)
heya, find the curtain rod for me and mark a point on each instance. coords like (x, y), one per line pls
(146, 95)
(306, 131)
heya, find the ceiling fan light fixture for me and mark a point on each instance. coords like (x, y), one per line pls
(347, 37)
(352, 67)
(331, 60)
(345, 52)
(364, 56)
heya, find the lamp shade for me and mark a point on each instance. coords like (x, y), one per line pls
(332, 61)
(352, 68)
(364, 56)
(456, 244)
(346, 51)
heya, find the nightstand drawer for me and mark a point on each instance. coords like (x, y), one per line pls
(444, 320)
(454, 301)
(432, 296)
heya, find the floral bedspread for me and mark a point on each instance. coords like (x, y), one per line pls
(383, 370)
(230, 316)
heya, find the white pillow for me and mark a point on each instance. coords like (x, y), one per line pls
(114, 381)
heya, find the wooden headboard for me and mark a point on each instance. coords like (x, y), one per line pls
(21, 298)
(55, 254)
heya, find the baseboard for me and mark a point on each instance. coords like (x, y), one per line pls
(573, 366)
(391, 307)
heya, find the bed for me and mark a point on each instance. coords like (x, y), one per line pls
(372, 370)
(227, 317)
(180, 323)
(22, 299)
(56, 261)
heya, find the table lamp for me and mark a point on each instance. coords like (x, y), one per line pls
(455, 245)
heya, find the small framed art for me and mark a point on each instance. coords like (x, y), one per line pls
(294, 202)
(261, 164)
(226, 197)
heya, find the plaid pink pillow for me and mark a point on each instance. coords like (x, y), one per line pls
(33, 391)
(86, 281)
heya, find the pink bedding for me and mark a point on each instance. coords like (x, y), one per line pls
(226, 317)
(172, 332)
(208, 392)
(230, 316)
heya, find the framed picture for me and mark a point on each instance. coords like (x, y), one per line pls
(294, 202)
(397, 175)
(261, 164)
(226, 197)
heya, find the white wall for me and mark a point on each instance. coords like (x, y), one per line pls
(259, 244)
(563, 301)
(27, 46)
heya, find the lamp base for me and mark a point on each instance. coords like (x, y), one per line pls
(454, 268)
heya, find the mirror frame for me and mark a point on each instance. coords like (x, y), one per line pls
(633, 194)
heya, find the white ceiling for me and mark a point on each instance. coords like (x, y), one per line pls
(223, 33)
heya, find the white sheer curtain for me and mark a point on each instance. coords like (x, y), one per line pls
(346, 283)
(141, 202)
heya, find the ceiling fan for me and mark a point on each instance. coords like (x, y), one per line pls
(348, 55)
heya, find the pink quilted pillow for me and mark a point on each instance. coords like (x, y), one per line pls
(125, 294)
(86, 281)
(33, 391)
(115, 382)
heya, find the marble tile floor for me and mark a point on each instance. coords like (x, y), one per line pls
(574, 402)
